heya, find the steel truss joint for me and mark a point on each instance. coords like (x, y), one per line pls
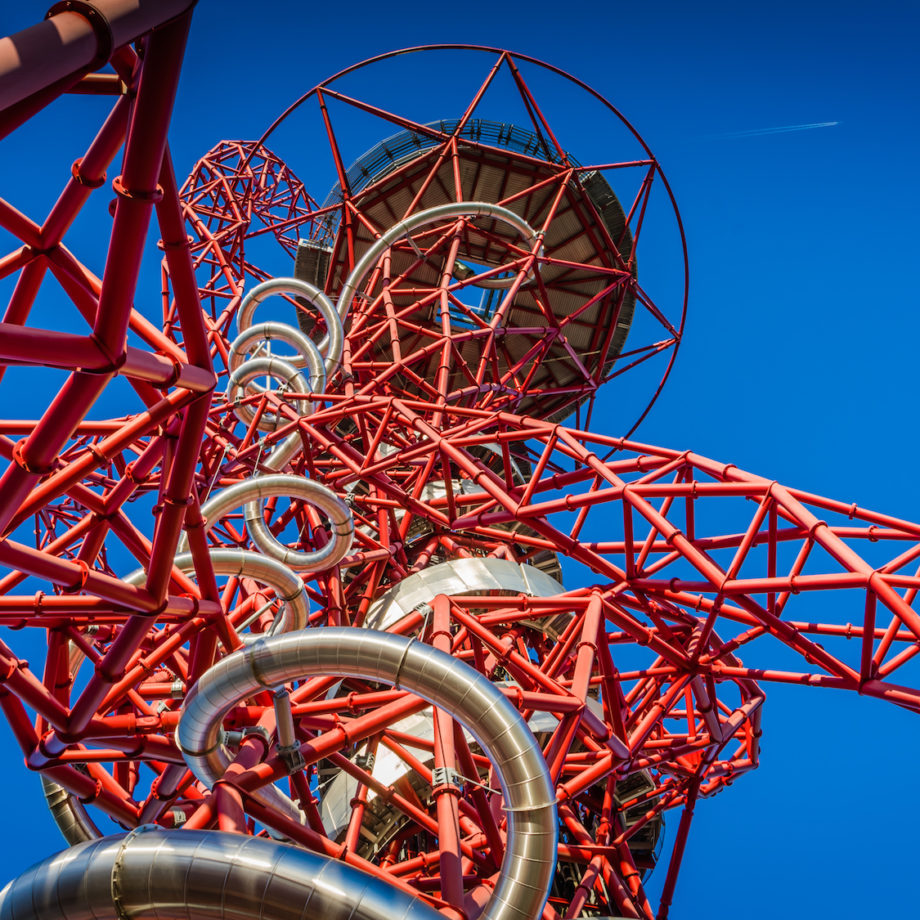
(85, 181)
(98, 22)
(148, 196)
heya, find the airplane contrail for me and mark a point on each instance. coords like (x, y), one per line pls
(783, 129)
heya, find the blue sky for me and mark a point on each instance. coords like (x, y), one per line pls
(799, 357)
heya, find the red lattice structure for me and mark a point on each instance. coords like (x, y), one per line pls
(629, 602)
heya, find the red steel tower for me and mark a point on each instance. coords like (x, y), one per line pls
(354, 605)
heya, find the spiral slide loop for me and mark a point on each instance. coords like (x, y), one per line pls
(322, 360)
(526, 874)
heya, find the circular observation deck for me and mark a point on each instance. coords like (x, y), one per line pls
(564, 325)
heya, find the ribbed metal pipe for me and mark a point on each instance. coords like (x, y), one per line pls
(69, 813)
(243, 377)
(66, 809)
(332, 343)
(270, 569)
(307, 354)
(322, 360)
(151, 874)
(470, 575)
(243, 562)
(422, 219)
(453, 686)
(251, 493)
(274, 567)
(243, 373)
(267, 571)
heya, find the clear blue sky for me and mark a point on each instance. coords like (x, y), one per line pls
(799, 360)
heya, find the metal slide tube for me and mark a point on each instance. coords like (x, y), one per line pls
(331, 344)
(286, 585)
(69, 813)
(271, 569)
(422, 219)
(530, 855)
(273, 366)
(66, 809)
(235, 561)
(201, 875)
(308, 355)
(252, 491)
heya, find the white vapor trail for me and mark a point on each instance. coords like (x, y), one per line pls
(784, 129)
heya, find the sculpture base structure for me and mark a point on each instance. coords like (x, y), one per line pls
(349, 576)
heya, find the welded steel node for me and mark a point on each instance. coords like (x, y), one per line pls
(329, 552)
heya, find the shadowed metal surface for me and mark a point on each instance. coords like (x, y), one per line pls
(69, 813)
(200, 875)
(472, 575)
